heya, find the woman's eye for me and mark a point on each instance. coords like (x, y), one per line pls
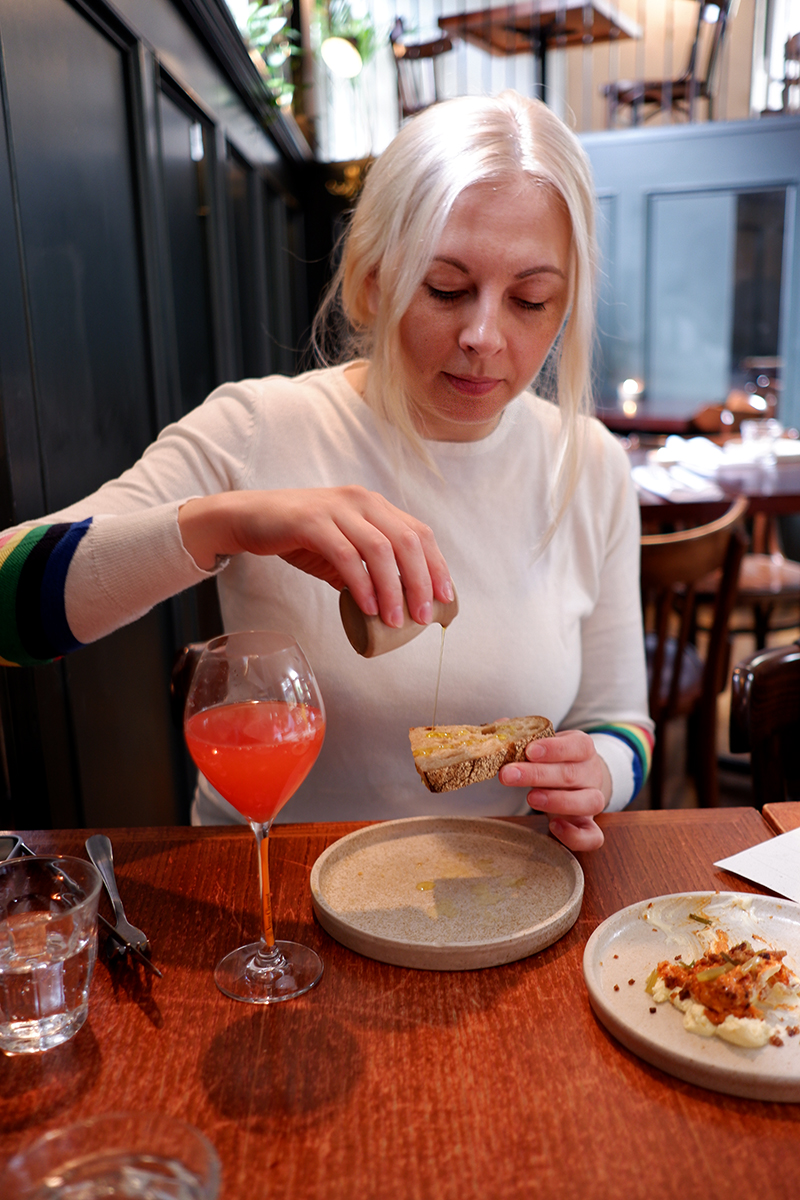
(447, 297)
(531, 305)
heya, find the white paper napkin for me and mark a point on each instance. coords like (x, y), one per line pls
(707, 457)
(774, 864)
(676, 483)
(699, 453)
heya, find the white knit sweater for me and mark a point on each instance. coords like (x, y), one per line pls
(557, 634)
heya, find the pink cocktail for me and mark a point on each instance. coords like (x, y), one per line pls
(254, 725)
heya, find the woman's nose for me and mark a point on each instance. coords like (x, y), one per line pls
(482, 332)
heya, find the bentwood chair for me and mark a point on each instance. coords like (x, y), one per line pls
(645, 98)
(768, 593)
(765, 721)
(791, 79)
(416, 60)
(183, 667)
(683, 682)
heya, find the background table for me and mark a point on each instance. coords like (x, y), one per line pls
(782, 818)
(774, 491)
(539, 26)
(392, 1083)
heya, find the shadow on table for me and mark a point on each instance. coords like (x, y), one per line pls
(36, 1087)
(131, 980)
(401, 999)
(283, 1060)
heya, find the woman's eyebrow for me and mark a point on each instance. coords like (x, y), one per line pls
(545, 269)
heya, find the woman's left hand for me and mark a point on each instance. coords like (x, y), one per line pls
(569, 781)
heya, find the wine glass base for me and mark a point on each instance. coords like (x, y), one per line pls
(256, 975)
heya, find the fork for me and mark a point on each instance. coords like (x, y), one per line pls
(99, 849)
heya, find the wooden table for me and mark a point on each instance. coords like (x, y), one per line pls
(393, 1084)
(774, 491)
(678, 418)
(782, 818)
(539, 26)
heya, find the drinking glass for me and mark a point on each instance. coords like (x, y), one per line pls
(760, 436)
(254, 724)
(135, 1156)
(48, 944)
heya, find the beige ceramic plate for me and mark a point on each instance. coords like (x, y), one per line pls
(446, 893)
(628, 945)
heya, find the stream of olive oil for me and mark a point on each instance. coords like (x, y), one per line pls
(439, 676)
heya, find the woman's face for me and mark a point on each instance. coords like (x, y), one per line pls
(488, 310)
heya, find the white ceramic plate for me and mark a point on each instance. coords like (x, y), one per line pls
(621, 953)
(446, 893)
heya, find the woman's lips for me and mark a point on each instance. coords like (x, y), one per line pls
(472, 385)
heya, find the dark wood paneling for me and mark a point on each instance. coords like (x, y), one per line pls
(81, 256)
(133, 279)
(188, 209)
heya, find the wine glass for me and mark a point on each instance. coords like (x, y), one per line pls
(254, 724)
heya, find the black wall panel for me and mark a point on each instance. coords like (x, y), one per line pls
(136, 273)
(80, 238)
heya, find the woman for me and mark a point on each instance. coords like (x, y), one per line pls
(423, 459)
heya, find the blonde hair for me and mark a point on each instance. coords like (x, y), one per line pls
(398, 224)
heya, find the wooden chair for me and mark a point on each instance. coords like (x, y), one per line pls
(681, 95)
(765, 721)
(768, 592)
(682, 682)
(416, 62)
(183, 668)
(791, 79)
(768, 595)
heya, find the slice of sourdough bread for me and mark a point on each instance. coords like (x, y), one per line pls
(449, 757)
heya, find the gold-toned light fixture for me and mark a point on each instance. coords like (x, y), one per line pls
(341, 57)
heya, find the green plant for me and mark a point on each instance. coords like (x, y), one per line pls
(269, 33)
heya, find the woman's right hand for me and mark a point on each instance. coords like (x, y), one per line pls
(348, 536)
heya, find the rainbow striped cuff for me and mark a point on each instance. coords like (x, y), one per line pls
(33, 573)
(641, 742)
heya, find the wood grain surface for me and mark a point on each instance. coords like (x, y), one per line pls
(784, 817)
(385, 1082)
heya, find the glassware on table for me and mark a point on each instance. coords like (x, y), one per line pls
(48, 945)
(136, 1156)
(254, 724)
(760, 436)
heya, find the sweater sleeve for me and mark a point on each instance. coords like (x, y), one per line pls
(81, 573)
(33, 568)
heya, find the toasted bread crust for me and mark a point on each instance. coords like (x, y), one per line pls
(474, 752)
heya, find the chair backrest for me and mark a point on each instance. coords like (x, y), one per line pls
(765, 720)
(791, 78)
(707, 44)
(183, 668)
(415, 59)
(672, 566)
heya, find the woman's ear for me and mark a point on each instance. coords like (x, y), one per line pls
(372, 292)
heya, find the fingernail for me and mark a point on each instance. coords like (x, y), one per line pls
(538, 800)
(535, 750)
(396, 617)
(426, 613)
(512, 775)
(371, 607)
(449, 594)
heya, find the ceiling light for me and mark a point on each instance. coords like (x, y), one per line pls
(341, 56)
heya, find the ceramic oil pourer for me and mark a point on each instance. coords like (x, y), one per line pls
(370, 636)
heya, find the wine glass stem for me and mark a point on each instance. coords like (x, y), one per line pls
(262, 841)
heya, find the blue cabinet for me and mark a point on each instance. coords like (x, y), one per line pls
(692, 285)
